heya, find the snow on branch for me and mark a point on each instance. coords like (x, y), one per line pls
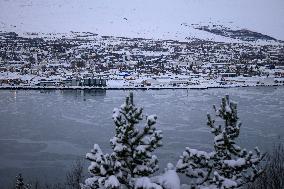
(132, 160)
(228, 166)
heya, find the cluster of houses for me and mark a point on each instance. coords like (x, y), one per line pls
(86, 59)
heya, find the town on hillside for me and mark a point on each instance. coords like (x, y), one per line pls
(87, 60)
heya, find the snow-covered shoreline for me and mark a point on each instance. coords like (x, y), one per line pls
(200, 87)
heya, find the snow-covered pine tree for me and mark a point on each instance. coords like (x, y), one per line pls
(105, 170)
(228, 166)
(132, 146)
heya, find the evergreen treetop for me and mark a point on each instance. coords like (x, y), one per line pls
(132, 146)
(228, 166)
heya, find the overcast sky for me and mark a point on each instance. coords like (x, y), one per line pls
(122, 17)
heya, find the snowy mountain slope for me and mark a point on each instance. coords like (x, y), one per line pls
(159, 19)
(241, 34)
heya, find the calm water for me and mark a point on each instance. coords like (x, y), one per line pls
(43, 132)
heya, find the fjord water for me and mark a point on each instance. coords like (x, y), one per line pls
(43, 132)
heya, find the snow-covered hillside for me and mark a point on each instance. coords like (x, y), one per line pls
(160, 19)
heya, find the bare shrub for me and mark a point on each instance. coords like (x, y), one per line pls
(75, 176)
(273, 174)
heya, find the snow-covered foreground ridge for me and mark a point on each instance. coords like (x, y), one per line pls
(133, 165)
